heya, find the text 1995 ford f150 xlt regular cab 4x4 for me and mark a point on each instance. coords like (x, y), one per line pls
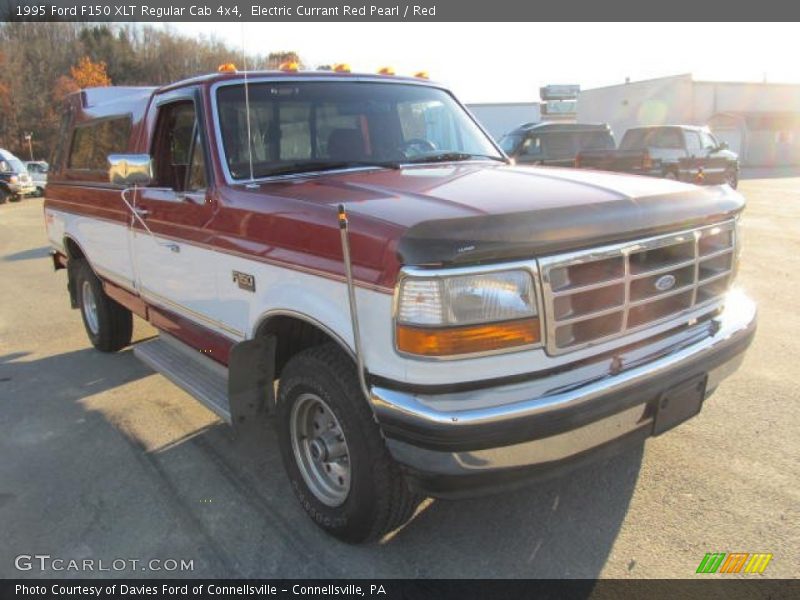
(437, 320)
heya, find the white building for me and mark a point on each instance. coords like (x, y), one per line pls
(760, 121)
(501, 117)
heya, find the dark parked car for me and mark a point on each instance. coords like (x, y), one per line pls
(15, 181)
(555, 144)
(682, 152)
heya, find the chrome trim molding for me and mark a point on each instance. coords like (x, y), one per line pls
(544, 450)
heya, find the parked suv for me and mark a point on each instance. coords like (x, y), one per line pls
(555, 144)
(679, 152)
(437, 321)
(38, 172)
(15, 181)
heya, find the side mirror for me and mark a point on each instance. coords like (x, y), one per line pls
(130, 169)
(722, 146)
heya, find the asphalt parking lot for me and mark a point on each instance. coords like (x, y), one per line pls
(101, 458)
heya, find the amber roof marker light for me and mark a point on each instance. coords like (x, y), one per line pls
(289, 67)
(386, 71)
(227, 68)
(341, 68)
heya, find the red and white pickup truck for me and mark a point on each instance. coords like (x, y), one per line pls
(437, 320)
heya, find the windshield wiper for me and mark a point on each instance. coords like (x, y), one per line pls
(316, 166)
(453, 157)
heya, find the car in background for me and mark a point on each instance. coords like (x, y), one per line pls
(38, 172)
(15, 181)
(555, 144)
(681, 152)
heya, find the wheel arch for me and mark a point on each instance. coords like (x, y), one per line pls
(255, 364)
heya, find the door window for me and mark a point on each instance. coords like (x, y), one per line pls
(668, 137)
(532, 146)
(693, 143)
(177, 149)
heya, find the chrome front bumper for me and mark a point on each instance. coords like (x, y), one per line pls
(432, 440)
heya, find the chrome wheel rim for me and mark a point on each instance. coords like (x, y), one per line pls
(90, 307)
(320, 449)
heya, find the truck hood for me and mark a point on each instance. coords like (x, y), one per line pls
(474, 212)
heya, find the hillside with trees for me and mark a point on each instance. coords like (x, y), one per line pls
(40, 63)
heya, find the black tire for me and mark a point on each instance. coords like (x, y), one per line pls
(4, 194)
(113, 328)
(378, 500)
(15, 198)
(732, 178)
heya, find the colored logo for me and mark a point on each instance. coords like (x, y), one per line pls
(665, 282)
(735, 562)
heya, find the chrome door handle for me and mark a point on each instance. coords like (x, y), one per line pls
(141, 212)
(173, 247)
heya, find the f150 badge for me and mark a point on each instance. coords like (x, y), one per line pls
(245, 281)
(665, 282)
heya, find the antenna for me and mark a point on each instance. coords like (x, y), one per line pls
(247, 107)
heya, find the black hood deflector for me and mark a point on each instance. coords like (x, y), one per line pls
(538, 232)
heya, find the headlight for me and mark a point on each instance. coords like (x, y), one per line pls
(464, 314)
(13, 179)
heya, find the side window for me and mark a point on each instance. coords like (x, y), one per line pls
(669, 137)
(693, 144)
(177, 149)
(94, 141)
(532, 146)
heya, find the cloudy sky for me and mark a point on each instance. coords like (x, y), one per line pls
(496, 62)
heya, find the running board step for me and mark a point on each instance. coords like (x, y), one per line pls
(198, 375)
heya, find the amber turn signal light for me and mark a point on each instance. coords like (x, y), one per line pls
(452, 341)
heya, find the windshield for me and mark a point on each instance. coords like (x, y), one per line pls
(311, 126)
(14, 165)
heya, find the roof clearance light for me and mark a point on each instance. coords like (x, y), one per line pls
(386, 71)
(290, 67)
(341, 68)
(227, 68)
(421, 75)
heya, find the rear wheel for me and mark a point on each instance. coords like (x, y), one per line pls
(108, 324)
(333, 452)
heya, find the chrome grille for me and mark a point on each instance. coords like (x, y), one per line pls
(597, 295)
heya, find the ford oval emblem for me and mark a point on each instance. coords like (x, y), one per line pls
(665, 282)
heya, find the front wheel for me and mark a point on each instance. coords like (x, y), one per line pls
(108, 324)
(333, 452)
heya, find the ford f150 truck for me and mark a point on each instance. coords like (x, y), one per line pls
(680, 152)
(435, 320)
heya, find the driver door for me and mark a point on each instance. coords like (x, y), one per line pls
(174, 265)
